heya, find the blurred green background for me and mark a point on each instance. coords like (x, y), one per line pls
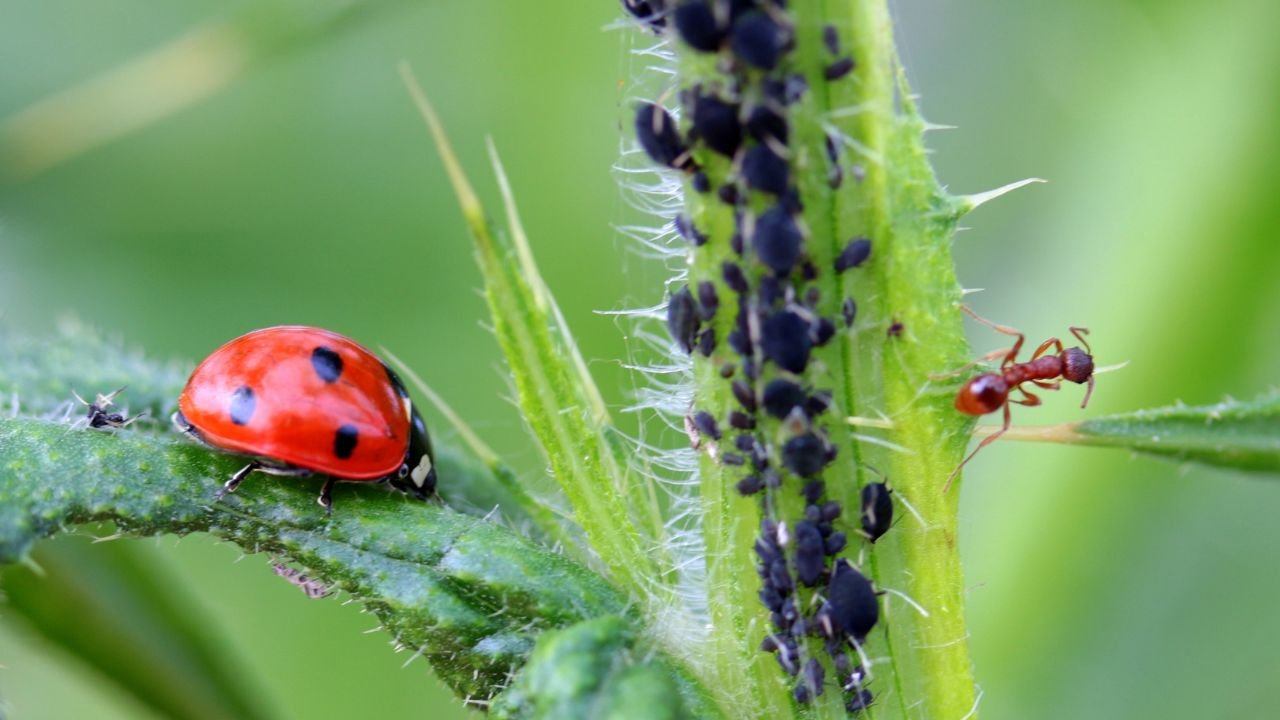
(306, 191)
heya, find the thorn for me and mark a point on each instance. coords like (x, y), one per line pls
(969, 203)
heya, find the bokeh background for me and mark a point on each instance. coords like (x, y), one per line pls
(305, 190)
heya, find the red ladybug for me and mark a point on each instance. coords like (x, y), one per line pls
(302, 400)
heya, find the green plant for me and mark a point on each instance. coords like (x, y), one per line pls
(909, 220)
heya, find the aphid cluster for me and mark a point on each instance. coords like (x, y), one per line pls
(734, 143)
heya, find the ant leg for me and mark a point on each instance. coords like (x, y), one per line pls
(973, 363)
(1027, 399)
(326, 496)
(985, 442)
(1050, 343)
(1080, 332)
(1012, 355)
(236, 479)
(1048, 384)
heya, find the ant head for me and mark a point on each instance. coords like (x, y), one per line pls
(983, 394)
(1077, 365)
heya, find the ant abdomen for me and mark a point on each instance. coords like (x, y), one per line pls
(983, 394)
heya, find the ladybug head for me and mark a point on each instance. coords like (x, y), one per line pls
(417, 476)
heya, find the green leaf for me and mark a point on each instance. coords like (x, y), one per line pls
(556, 394)
(106, 605)
(593, 670)
(1232, 434)
(467, 594)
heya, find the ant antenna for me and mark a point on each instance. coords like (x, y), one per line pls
(1088, 392)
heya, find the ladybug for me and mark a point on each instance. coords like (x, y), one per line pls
(300, 400)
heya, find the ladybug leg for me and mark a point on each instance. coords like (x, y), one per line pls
(326, 496)
(239, 477)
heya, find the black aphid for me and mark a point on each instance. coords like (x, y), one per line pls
(780, 578)
(750, 485)
(728, 194)
(813, 491)
(741, 421)
(764, 123)
(781, 396)
(789, 658)
(707, 342)
(716, 122)
(746, 397)
(835, 173)
(684, 227)
(812, 296)
(770, 291)
(656, 130)
(895, 329)
(818, 403)
(849, 310)
(805, 455)
(745, 443)
(771, 478)
(823, 331)
(838, 69)
(741, 344)
(682, 318)
(733, 277)
(835, 543)
(771, 598)
(785, 341)
(831, 39)
(750, 369)
(727, 370)
(701, 182)
(757, 40)
(706, 424)
(852, 608)
(733, 459)
(653, 13)
(854, 254)
(811, 553)
(794, 88)
(708, 300)
(860, 701)
(777, 239)
(877, 510)
(765, 170)
(814, 675)
(696, 23)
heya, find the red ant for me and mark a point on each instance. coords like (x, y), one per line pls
(990, 391)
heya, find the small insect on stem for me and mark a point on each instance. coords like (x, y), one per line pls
(97, 415)
(989, 392)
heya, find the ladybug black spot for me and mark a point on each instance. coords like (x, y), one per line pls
(326, 363)
(243, 403)
(344, 441)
